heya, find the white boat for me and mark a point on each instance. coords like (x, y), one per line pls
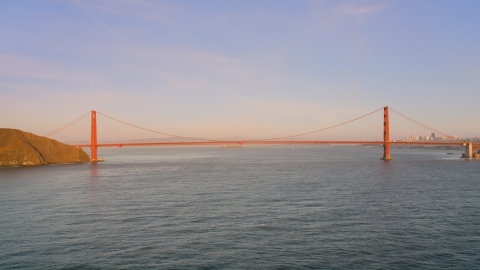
(231, 146)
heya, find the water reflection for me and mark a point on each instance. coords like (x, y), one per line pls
(387, 170)
(93, 169)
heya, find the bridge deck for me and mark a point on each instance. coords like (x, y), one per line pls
(258, 142)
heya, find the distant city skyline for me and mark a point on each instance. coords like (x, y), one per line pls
(239, 68)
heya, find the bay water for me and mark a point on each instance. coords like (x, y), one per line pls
(258, 207)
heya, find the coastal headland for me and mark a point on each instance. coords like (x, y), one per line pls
(20, 148)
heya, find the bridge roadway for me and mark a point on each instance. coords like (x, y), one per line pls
(273, 142)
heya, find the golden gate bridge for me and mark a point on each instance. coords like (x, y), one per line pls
(95, 129)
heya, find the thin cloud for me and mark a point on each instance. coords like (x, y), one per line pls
(328, 17)
(207, 64)
(143, 9)
(352, 9)
(24, 67)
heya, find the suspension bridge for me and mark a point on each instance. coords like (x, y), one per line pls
(95, 129)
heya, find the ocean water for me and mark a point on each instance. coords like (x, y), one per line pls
(265, 207)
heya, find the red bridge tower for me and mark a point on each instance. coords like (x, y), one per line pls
(386, 135)
(93, 138)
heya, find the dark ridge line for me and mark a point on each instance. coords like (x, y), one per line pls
(28, 143)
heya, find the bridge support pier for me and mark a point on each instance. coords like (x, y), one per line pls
(93, 138)
(386, 136)
(468, 150)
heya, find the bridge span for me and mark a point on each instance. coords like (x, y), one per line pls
(364, 130)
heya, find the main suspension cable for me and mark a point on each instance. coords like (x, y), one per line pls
(67, 125)
(154, 131)
(286, 137)
(420, 124)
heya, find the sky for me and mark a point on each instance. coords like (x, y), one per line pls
(239, 68)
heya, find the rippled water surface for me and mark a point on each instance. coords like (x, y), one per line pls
(251, 208)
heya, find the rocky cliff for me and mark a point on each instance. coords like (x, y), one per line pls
(19, 148)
